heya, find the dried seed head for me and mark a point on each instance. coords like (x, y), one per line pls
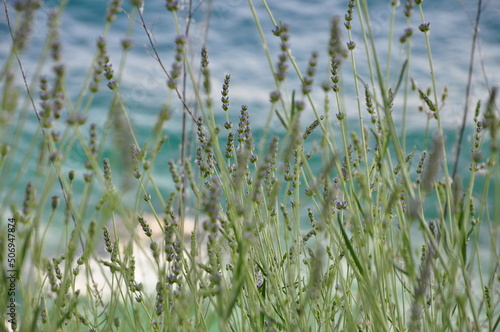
(335, 46)
(433, 164)
(225, 93)
(126, 44)
(172, 5)
(55, 202)
(424, 27)
(107, 173)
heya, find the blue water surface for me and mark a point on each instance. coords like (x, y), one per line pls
(235, 48)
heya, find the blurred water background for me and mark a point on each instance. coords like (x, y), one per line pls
(234, 47)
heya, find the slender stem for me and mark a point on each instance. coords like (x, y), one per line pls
(389, 46)
(406, 89)
(467, 89)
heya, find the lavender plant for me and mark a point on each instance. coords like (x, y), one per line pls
(327, 223)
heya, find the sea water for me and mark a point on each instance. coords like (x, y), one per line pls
(235, 48)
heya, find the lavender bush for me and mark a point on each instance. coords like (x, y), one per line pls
(331, 224)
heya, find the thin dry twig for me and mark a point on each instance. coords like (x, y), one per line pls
(157, 58)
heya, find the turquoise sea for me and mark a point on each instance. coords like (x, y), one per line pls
(234, 47)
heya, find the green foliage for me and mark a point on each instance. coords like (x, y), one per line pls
(321, 228)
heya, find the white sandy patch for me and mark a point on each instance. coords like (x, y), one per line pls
(135, 244)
